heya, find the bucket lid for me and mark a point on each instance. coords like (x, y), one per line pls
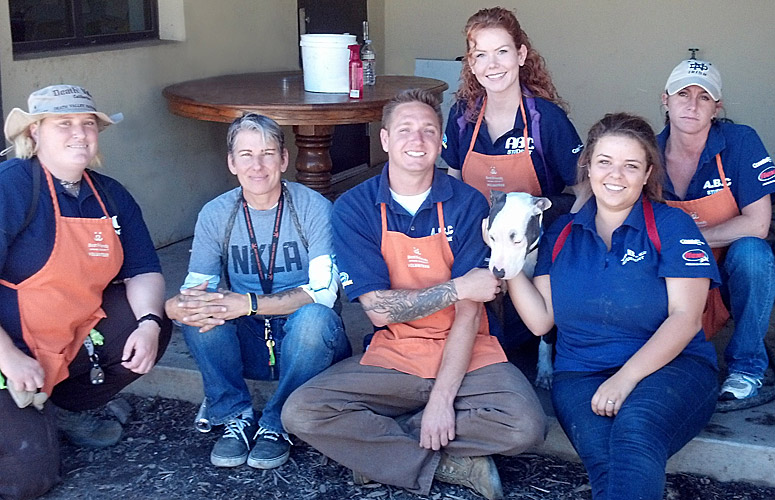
(327, 39)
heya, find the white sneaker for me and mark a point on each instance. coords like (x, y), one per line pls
(739, 386)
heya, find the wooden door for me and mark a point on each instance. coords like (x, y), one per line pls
(350, 144)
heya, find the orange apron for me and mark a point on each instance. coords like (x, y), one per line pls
(60, 304)
(416, 347)
(507, 173)
(711, 211)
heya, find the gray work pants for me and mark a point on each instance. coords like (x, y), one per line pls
(368, 419)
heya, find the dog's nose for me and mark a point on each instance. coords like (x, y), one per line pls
(499, 273)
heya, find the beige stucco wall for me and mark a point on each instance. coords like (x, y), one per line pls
(171, 165)
(604, 56)
(608, 55)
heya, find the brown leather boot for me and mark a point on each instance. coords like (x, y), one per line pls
(477, 473)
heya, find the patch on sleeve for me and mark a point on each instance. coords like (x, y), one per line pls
(696, 257)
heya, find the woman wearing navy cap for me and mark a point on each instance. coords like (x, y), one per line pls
(625, 280)
(721, 174)
(507, 131)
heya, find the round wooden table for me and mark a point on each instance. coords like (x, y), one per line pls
(281, 96)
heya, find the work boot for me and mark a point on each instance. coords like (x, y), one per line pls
(232, 449)
(271, 450)
(477, 473)
(84, 429)
(359, 479)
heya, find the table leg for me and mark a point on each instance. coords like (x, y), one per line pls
(313, 161)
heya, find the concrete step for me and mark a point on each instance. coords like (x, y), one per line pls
(735, 446)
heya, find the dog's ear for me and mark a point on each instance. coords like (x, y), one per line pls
(485, 232)
(543, 203)
(497, 197)
(497, 202)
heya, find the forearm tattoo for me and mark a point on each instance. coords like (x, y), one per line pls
(400, 306)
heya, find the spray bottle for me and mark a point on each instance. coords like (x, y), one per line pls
(356, 72)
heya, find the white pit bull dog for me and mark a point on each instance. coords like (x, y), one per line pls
(512, 232)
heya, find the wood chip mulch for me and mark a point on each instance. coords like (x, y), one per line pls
(162, 456)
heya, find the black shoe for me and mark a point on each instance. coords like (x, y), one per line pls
(232, 449)
(271, 450)
(84, 429)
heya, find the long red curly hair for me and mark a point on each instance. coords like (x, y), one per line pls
(533, 75)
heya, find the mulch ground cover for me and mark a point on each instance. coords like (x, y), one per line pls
(162, 456)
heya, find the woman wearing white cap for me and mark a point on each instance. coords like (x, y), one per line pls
(81, 290)
(721, 174)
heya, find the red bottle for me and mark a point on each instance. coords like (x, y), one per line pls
(356, 72)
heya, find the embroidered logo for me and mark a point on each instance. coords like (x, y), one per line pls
(693, 241)
(98, 249)
(767, 176)
(344, 278)
(577, 149)
(761, 162)
(696, 257)
(631, 256)
(415, 259)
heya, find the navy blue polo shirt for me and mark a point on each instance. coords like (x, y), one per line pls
(607, 304)
(357, 229)
(747, 165)
(560, 143)
(24, 254)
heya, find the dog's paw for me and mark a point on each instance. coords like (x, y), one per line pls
(544, 367)
(544, 380)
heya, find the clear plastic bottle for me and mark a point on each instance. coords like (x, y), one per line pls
(368, 57)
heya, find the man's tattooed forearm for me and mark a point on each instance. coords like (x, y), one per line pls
(400, 306)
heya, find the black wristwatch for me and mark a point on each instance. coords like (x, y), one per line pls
(149, 317)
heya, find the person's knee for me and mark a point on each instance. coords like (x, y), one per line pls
(209, 340)
(748, 258)
(297, 414)
(314, 327)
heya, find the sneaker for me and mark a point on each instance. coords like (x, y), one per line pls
(739, 386)
(477, 473)
(84, 429)
(232, 449)
(271, 450)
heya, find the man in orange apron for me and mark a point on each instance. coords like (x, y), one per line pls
(433, 396)
(721, 174)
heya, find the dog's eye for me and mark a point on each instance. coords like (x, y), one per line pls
(513, 238)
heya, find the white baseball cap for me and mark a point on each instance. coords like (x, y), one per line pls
(55, 100)
(695, 72)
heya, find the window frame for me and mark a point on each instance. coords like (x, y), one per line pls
(80, 40)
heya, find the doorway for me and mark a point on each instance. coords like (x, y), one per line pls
(350, 143)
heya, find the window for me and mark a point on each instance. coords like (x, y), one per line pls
(38, 25)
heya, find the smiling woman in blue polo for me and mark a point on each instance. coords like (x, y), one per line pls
(625, 280)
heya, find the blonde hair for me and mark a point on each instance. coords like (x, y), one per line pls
(25, 147)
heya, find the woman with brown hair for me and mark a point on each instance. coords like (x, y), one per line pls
(625, 280)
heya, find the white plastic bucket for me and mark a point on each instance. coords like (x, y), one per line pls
(325, 60)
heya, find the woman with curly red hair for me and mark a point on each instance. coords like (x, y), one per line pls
(508, 130)
(507, 101)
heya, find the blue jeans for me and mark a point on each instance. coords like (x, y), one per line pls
(748, 277)
(625, 456)
(306, 343)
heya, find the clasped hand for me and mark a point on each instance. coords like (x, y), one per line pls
(206, 310)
